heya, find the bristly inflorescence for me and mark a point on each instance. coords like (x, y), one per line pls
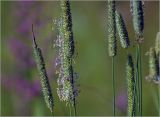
(157, 44)
(122, 31)
(67, 25)
(130, 86)
(153, 66)
(157, 50)
(154, 61)
(66, 90)
(112, 46)
(46, 89)
(138, 20)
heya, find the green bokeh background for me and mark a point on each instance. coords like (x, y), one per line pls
(92, 64)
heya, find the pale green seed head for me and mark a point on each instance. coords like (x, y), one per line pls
(138, 20)
(157, 44)
(153, 65)
(67, 25)
(112, 47)
(130, 86)
(65, 79)
(46, 89)
(122, 31)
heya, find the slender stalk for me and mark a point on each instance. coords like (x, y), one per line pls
(140, 78)
(159, 99)
(137, 82)
(113, 85)
(52, 114)
(70, 111)
(75, 109)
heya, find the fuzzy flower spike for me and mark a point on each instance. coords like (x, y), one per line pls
(66, 81)
(130, 86)
(46, 89)
(138, 20)
(157, 44)
(122, 31)
(157, 50)
(153, 66)
(112, 47)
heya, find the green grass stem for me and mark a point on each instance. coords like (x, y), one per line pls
(113, 86)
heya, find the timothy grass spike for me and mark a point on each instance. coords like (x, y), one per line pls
(66, 90)
(137, 12)
(153, 65)
(67, 25)
(138, 20)
(112, 47)
(122, 31)
(46, 89)
(157, 44)
(130, 86)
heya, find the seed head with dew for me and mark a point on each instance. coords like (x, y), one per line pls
(122, 31)
(138, 20)
(46, 89)
(112, 47)
(64, 43)
(130, 86)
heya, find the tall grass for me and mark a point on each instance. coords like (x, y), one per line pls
(65, 43)
(115, 24)
(115, 18)
(154, 68)
(138, 24)
(112, 47)
(67, 90)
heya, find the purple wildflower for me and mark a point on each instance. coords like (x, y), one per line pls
(22, 53)
(121, 101)
(22, 87)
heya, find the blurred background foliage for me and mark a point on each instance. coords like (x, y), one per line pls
(20, 89)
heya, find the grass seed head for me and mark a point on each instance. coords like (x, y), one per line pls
(67, 25)
(46, 89)
(153, 65)
(157, 44)
(138, 20)
(130, 86)
(112, 47)
(122, 31)
(65, 45)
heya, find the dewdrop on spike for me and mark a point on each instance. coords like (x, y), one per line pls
(112, 47)
(130, 86)
(138, 20)
(121, 30)
(46, 89)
